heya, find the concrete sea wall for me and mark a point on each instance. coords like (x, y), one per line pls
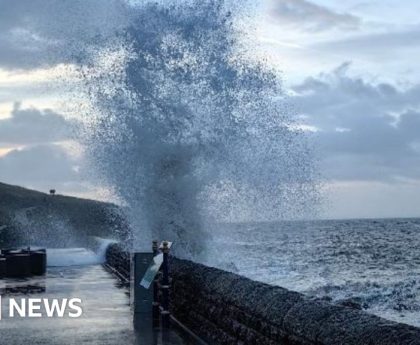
(225, 308)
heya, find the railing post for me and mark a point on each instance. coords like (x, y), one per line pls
(156, 303)
(165, 286)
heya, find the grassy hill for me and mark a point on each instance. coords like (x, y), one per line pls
(29, 217)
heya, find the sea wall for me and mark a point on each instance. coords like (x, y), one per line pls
(118, 260)
(225, 308)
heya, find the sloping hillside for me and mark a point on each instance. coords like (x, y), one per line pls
(29, 217)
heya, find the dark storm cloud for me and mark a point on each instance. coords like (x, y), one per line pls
(36, 33)
(37, 165)
(33, 126)
(410, 124)
(42, 163)
(43, 167)
(366, 131)
(309, 16)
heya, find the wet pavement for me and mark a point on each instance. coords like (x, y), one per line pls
(106, 319)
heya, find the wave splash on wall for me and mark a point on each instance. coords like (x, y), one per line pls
(189, 129)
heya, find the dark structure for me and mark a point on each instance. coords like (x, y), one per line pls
(2, 266)
(118, 261)
(225, 308)
(22, 263)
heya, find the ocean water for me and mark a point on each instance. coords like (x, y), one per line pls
(371, 264)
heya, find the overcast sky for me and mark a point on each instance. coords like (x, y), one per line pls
(349, 66)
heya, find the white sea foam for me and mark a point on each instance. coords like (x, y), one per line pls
(79, 256)
(72, 257)
(187, 127)
(374, 264)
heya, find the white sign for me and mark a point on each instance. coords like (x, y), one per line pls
(152, 270)
(43, 307)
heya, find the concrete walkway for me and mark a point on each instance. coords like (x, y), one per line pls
(106, 318)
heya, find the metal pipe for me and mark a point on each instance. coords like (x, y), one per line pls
(165, 314)
(156, 303)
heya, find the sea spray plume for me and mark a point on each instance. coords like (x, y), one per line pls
(189, 129)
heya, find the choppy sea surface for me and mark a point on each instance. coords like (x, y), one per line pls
(366, 264)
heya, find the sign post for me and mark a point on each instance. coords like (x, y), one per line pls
(143, 295)
(151, 274)
(142, 300)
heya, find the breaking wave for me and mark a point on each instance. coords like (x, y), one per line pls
(95, 254)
